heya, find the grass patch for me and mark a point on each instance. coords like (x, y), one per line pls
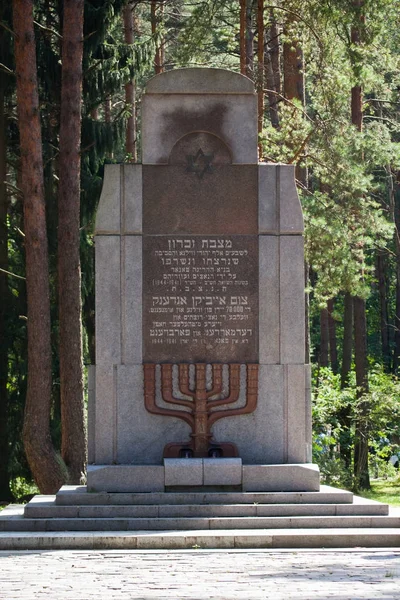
(384, 490)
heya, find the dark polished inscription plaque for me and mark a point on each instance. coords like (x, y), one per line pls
(200, 298)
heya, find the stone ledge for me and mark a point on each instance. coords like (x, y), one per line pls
(281, 478)
(203, 474)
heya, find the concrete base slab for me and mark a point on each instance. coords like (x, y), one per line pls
(281, 478)
(300, 538)
(203, 472)
(125, 478)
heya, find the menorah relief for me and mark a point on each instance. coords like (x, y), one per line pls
(200, 406)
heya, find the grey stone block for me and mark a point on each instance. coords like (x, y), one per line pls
(268, 215)
(142, 436)
(222, 471)
(131, 220)
(129, 395)
(199, 81)
(125, 478)
(131, 299)
(183, 471)
(108, 300)
(292, 322)
(281, 478)
(259, 436)
(290, 213)
(165, 119)
(108, 217)
(269, 338)
(296, 414)
(91, 374)
(106, 414)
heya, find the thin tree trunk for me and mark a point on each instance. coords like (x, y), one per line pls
(360, 323)
(361, 434)
(5, 491)
(249, 39)
(273, 70)
(383, 308)
(154, 22)
(324, 338)
(260, 65)
(73, 446)
(243, 68)
(130, 144)
(396, 352)
(347, 349)
(332, 337)
(45, 466)
(293, 88)
(275, 50)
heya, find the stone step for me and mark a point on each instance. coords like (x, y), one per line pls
(222, 539)
(78, 495)
(17, 522)
(39, 507)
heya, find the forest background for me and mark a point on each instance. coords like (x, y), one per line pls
(328, 82)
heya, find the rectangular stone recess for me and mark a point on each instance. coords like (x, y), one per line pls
(222, 201)
(200, 298)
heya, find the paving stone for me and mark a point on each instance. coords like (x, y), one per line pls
(198, 574)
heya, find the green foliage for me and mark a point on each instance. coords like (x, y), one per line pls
(333, 439)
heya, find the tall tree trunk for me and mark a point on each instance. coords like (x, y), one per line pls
(73, 447)
(130, 144)
(324, 338)
(360, 322)
(273, 70)
(294, 87)
(260, 62)
(347, 349)
(383, 308)
(249, 39)
(46, 467)
(344, 415)
(361, 434)
(332, 337)
(5, 491)
(260, 66)
(396, 351)
(243, 23)
(158, 64)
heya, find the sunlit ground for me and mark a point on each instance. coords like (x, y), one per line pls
(384, 490)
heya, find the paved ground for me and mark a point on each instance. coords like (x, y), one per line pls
(200, 575)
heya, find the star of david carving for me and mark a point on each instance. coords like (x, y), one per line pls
(200, 163)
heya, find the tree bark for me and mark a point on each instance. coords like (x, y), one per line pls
(73, 447)
(260, 66)
(347, 349)
(158, 64)
(46, 467)
(361, 433)
(273, 70)
(383, 308)
(396, 352)
(332, 337)
(130, 101)
(5, 491)
(293, 87)
(324, 338)
(249, 39)
(243, 68)
(360, 324)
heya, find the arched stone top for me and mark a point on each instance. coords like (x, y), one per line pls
(200, 80)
